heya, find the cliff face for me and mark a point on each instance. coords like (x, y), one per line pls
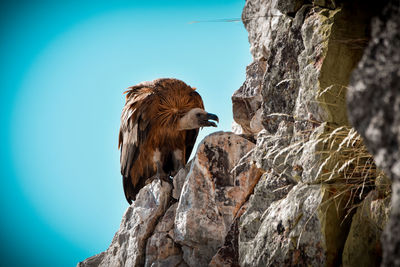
(295, 185)
(374, 105)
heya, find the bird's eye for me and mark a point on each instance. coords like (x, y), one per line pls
(198, 114)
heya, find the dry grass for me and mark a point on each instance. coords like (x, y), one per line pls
(342, 164)
(348, 170)
(343, 168)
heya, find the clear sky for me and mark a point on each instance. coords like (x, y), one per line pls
(64, 65)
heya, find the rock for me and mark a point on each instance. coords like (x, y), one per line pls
(212, 196)
(309, 57)
(310, 159)
(161, 250)
(383, 185)
(236, 128)
(256, 122)
(363, 246)
(331, 4)
(228, 254)
(374, 110)
(289, 232)
(256, 16)
(316, 32)
(269, 189)
(289, 7)
(92, 261)
(327, 60)
(129, 243)
(281, 78)
(179, 180)
(289, 159)
(272, 149)
(246, 101)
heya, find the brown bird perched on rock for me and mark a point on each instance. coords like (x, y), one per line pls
(159, 126)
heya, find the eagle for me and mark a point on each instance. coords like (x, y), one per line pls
(159, 126)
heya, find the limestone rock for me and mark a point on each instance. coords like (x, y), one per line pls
(289, 232)
(256, 17)
(236, 128)
(316, 32)
(256, 122)
(332, 50)
(289, 7)
(363, 246)
(92, 261)
(269, 189)
(161, 250)
(310, 49)
(246, 101)
(129, 243)
(289, 159)
(272, 149)
(228, 254)
(374, 110)
(281, 80)
(311, 157)
(179, 180)
(212, 195)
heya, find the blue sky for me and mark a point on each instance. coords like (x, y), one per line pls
(64, 66)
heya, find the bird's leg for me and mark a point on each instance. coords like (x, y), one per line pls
(160, 174)
(159, 166)
(178, 161)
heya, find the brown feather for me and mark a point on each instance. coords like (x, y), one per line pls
(149, 122)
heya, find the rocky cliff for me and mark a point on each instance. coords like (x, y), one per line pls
(374, 109)
(295, 184)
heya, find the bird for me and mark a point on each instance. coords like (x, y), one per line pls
(159, 126)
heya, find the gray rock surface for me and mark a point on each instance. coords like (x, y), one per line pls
(246, 101)
(276, 41)
(369, 221)
(289, 7)
(179, 180)
(289, 232)
(374, 110)
(212, 195)
(309, 51)
(129, 243)
(161, 249)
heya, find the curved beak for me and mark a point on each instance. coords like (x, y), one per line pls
(213, 117)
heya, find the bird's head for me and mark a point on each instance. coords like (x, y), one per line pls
(196, 118)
